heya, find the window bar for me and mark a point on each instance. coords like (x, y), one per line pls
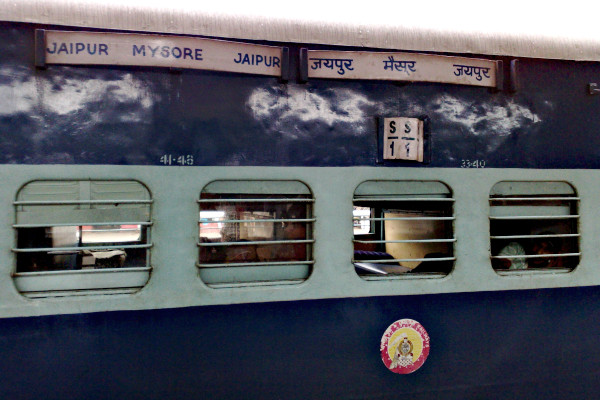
(81, 271)
(225, 221)
(409, 219)
(415, 199)
(77, 248)
(407, 241)
(520, 217)
(78, 202)
(259, 242)
(149, 242)
(563, 235)
(540, 255)
(396, 260)
(143, 223)
(279, 200)
(533, 198)
(253, 264)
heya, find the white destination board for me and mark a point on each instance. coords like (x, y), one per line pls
(105, 48)
(401, 67)
(403, 139)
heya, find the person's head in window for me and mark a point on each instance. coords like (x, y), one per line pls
(294, 230)
(291, 229)
(543, 246)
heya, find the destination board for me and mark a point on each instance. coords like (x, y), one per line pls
(106, 48)
(401, 67)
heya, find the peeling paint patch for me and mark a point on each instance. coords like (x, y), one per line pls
(488, 123)
(73, 95)
(484, 118)
(298, 105)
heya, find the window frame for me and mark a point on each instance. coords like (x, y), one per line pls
(398, 192)
(82, 210)
(555, 191)
(223, 274)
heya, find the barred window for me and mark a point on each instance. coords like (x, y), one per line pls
(403, 228)
(255, 232)
(81, 237)
(533, 226)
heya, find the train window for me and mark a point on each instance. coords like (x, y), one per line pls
(82, 237)
(533, 226)
(403, 228)
(255, 232)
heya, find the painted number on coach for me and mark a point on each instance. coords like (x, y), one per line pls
(472, 164)
(170, 159)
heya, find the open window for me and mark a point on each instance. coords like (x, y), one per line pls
(533, 226)
(403, 228)
(82, 237)
(255, 232)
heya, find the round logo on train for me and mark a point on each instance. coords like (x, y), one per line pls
(404, 346)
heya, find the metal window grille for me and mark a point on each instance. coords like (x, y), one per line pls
(534, 227)
(250, 234)
(55, 226)
(412, 229)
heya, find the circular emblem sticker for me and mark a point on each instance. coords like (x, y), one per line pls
(404, 346)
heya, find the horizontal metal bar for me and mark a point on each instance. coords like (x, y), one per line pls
(78, 202)
(117, 230)
(407, 219)
(540, 255)
(536, 236)
(79, 292)
(254, 264)
(407, 241)
(280, 200)
(405, 276)
(521, 217)
(257, 242)
(248, 221)
(396, 260)
(143, 223)
(533, 271)
(392, 198)
(82, 271)
(77, 248)
(533, 198)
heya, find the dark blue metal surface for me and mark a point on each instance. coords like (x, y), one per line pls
(501, 345)
(133, 116)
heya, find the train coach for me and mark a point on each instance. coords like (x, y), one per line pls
(200, 204)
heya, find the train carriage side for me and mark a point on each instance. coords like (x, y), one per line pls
(179, 232)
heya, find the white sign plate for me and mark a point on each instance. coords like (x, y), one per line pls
(105, 48)
(403, 139)
(401, 67)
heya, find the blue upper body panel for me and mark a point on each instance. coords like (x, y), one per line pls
(135, 116)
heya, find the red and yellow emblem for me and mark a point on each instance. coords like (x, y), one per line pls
(404, 346)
